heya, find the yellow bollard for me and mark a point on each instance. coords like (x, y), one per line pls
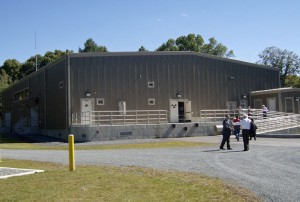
(71, 153)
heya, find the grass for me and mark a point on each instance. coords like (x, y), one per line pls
(99, 183)
(12, 142)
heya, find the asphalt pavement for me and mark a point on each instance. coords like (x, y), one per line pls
(270, 168)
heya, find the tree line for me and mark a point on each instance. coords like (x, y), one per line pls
(287, 61)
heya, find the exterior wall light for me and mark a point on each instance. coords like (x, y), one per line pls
(296, 99)
(231, 77)
(88, 94)
(244, 96)
(178, 95)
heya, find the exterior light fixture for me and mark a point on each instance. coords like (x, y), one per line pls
(178, 95)
(88, 94)
(244, 96)
(231, 77)
(296, 99)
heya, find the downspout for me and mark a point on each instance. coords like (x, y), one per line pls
(45, 103)
(68, 93)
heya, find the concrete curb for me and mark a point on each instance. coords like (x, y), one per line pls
(279, 135)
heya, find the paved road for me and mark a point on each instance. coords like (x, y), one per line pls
(270, 168)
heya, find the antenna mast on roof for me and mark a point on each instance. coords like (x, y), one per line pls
(35, 50)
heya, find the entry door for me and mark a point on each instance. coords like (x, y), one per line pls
(87, 105)
(34, 117)
(272, 104)
(289, 105)
(181, 114)
(174, 111)
(188, 111)
(7, 119)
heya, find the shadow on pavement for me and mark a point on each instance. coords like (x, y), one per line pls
(223, 151)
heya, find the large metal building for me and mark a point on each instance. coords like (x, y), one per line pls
(182, 83)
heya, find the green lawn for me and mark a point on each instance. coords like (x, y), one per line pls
(99, 183)
(102, 183)
(10, 142)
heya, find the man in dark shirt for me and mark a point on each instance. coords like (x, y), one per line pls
(227, 126)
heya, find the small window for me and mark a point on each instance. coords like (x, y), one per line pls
(61, 84)
(151, 101)
(151, 84)
(100, 101)
(21, 95)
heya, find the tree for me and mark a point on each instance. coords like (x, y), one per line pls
(29, 65)
(142, 48)
(286, 61)
(50, 57)
(5, 80)
(193, 42)
(215, 48)
(12, 67)
(190, 43)
(168, 46)
(292, 81)
(91, 46)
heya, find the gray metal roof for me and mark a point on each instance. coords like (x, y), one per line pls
(157, 53)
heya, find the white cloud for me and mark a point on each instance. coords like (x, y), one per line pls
(184, 15)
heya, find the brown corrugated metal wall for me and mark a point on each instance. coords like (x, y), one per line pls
(56, 96)
(202, 79)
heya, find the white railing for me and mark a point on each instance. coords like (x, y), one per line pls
(271, 122)
(216, 115)
(129, 117)
(20, 124)
(277, 122)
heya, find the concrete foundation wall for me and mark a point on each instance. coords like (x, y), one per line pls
(103, 133)
(295, 130)
(57, 133)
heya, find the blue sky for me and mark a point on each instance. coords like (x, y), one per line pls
(245, 26)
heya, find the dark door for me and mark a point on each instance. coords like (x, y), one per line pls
(181, 111)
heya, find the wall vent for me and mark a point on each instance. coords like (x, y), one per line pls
(126, 133)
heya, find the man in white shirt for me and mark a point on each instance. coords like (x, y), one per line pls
(245, 125)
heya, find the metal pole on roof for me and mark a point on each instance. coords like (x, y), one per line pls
(35, 51)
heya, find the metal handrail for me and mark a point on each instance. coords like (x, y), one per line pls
(271, 122)
(278, 123)
(127, 117)
(20, 124)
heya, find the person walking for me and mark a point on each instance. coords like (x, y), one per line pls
(226, 132)
(237, 128)
(264, 111)
(245, 125)
(249, 112)
(253, 128)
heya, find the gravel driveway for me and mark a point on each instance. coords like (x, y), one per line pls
(270, 168)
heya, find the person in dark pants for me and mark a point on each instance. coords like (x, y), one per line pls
(253, 128)
(264, 111)
(227, 126)
(245, 125)
(236, 131)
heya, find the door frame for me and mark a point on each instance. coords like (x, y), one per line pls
(268, 103)
(174, 115)
(85, 115)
